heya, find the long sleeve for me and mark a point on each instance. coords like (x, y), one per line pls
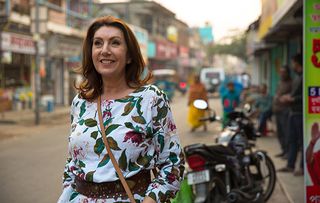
(68, 175)
(296, 93)
(169, 156)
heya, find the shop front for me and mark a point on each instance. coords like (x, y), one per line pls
(63, 57)
(165, 55)
(17, 53)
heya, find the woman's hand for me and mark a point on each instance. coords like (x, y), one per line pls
(148, 200)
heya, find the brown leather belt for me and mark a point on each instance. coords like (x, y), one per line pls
(137, 183)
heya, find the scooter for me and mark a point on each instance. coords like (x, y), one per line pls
(230, 171)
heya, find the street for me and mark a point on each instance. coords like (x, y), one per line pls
(32, 163)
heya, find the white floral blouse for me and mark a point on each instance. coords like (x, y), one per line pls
(142, 135)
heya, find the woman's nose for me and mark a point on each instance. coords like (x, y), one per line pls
(106, 49)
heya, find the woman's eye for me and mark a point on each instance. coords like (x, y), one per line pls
(97, 43)
(115, 42)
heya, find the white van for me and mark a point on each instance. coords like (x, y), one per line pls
(212, 77)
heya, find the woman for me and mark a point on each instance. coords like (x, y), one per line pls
(140, 127)
(197, 91)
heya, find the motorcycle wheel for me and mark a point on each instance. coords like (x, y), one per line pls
(269, 178)
(215, 196)
(217, 193)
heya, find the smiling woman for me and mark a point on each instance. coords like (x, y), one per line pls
(109, 54)
(121, 127)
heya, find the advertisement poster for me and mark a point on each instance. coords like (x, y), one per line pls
(312, 100)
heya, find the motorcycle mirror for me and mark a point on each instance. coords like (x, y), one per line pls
(247, 107)
(200, 104)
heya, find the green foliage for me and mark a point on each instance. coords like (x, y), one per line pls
(237, 47)
(104, 161)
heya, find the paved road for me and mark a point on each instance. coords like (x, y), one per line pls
(32, 163)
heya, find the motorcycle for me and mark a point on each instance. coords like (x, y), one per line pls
(231, 171)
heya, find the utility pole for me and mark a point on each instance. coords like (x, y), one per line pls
(4, 14)
(36, 38)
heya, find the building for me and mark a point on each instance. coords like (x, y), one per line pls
(61, 29)
(274, 38)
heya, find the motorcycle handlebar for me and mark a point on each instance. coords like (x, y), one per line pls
(210, 119)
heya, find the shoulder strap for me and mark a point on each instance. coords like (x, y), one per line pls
(113, 160)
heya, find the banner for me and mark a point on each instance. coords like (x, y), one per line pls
(312, 100)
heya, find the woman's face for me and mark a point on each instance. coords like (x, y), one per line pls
(109, 52)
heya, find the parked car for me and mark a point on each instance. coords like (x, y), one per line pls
(212, 77)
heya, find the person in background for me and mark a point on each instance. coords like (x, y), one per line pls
(263, 105)
(249, 95)
(137, 117)
(230, 100)
(281, 110)
(295, 122)
(197, 90)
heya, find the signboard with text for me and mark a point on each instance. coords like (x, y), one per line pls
(312, 100)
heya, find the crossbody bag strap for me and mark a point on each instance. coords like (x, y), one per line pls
(113, 160)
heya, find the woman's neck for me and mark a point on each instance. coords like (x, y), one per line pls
(115, 89)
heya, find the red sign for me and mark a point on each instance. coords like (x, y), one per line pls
(316, 49)
(184, 52)
(166, 50)
(313, 194)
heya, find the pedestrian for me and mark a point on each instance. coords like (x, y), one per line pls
(281, 110)
(313, 155)
(230, 100)
(197, 90)
(263, 105)
(138, 123)
(295, 122)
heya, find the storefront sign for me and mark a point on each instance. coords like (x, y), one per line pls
(18, 43)
(184, 56)
(166, 50)
(269, 7)
(312, 100)
(142, 38)
(23, 44)
(172, 33)
(151, 49)
(63, 47)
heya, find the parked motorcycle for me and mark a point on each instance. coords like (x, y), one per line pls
(231, 171)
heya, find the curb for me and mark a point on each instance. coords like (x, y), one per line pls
(20, 117)
(284, 190)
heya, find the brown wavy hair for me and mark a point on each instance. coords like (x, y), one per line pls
(91, 86)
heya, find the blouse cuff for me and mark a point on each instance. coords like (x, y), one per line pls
(160, 193)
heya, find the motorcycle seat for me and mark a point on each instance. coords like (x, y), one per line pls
(221, 149)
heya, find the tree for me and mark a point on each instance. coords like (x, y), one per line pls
(236, 47)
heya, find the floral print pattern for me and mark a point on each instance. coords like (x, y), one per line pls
(141, 134)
